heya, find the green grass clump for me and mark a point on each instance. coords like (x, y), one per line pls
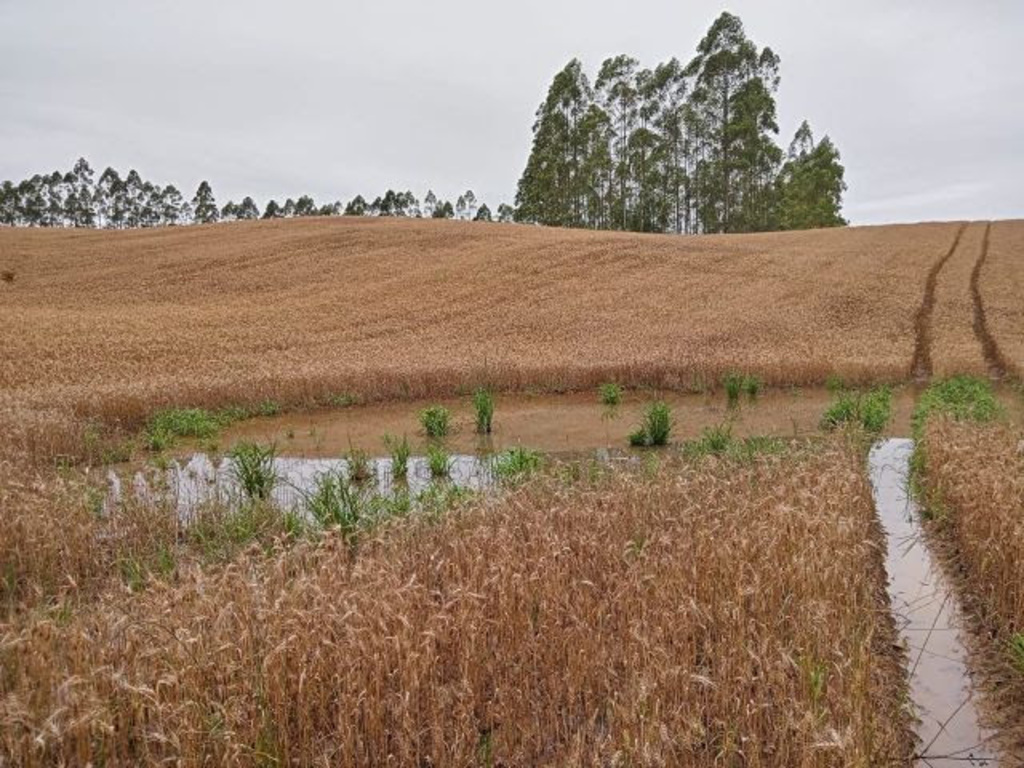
(733, 383)
(252, 467)
(172, 423)
(336, 502)
(869, 410)
(655, 427)
(438, 461)
(483, 403)
(400, 451)
(516, 463)
(737, 384)
(436, 421)
(965, 398)
(834, 383)
(360, 468)
(610, 393)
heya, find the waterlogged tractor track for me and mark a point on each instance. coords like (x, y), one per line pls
(994, 358)
(921, 367)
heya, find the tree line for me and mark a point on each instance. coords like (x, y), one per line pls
(680, 148)
(78, 199)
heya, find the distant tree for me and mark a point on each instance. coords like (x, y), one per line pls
(247, 209)
(82, 213)
(109, 190)
(171, 204)
(811, 183)
(429, 204)
(305, 206)
(273, 210)
(483, 214)
(288, 211)
(8, 204)
(471, 203)
(357, 206)
(204, 206)
(133, 199)
(506, 213)
(444, 210)
(229, 212)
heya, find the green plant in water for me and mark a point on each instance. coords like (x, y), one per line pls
(335, 502)
(516, 463)
(965, 398)
(436, 421)
(438, 460)
(611, 393)
(252, 467)
(360, 468)
(400, 451)
(655, 427)
(869, 410)
(169, 424)
(733, 383)
(483, 403)
(752, 386)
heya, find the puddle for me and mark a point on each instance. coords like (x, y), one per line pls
(928, 619)
(550, 423)
(189, 484)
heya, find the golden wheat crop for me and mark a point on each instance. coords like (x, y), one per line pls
(114, 324)
(1001, 283)
(974, 476)
(703, 615)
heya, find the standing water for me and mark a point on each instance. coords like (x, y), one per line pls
(928, 619)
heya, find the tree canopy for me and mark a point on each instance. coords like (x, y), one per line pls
(676, 148)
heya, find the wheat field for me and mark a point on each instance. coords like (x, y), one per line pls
(112, 325)
(695, 615)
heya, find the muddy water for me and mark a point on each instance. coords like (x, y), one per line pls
(550, 423)
(929, 622)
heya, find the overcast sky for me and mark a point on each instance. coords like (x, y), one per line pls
(925, 98)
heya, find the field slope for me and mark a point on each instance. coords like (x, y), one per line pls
(114, 324)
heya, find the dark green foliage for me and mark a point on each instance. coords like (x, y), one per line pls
(676, 149)
(655, 427)
(811, 184)
(733, 387)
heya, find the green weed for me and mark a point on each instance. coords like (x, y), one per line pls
(438, 460)
(733, 383)
(400, 451)
(655, 427)
(965, 398)
(436, 421)
(610, 393)
(252, 467)
(1017, 650)
(516, 463)
(360, 468)
(483, 403)
(869, 410)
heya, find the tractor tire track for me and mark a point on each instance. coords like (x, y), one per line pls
(921, 367)
(993, 356)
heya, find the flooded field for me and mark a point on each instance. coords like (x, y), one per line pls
(551, 423)
(929, 621)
